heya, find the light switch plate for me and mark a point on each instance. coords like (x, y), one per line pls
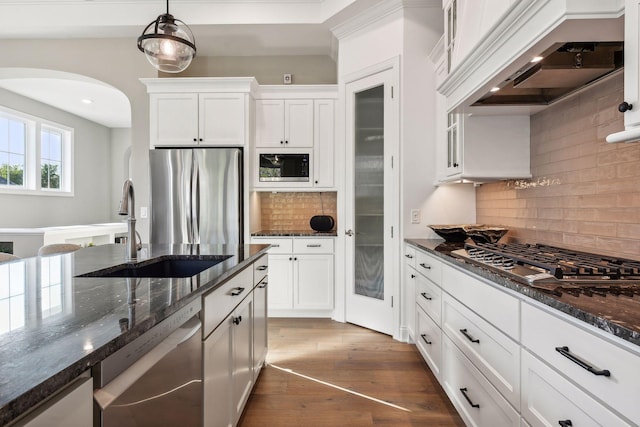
(415, 216)
(144, 212)
(286, 79)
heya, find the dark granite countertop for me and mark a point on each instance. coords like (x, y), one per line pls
(618, 315)
(294, 233)
(56, 325)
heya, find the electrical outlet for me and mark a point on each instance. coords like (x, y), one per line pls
(415, 216)
(286, 79)
(144, 212)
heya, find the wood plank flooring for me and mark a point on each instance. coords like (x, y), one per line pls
(326, 373)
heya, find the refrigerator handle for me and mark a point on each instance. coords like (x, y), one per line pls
(195, 203)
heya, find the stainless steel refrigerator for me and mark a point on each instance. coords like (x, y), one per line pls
(196, 195)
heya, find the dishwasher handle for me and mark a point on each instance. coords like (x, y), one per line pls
(106, 395)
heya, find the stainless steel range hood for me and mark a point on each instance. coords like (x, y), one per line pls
(562, 69)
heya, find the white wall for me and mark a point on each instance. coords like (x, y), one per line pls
(268, 70)
(92, 174)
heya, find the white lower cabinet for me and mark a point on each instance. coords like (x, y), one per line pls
(228, 367)
(507, 360)
(477, 401)
(217, 376)
(548, 399)
(603, 369)
(429, 341)
(494, 353)
(301, 276)
(242, 345)
(72, 406)
(260, 313)
(233, 349)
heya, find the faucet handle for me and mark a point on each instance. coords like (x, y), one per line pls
(139, 242)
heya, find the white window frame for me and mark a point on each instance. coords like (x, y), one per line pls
(32, 168)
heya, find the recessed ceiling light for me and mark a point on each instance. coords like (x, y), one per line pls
(537, 59)
(495, 89)
(87, 101)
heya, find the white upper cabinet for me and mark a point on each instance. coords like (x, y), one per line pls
(297, 119)
(631, 105)
(323, 142)
(199, 111)
(485, 148)
(284, 123)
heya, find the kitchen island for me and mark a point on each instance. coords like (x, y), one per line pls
(61, 325)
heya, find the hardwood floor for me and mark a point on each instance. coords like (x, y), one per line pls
(326, 373)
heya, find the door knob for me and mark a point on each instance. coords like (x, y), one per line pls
(349, 233)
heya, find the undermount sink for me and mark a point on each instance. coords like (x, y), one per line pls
(161, 267)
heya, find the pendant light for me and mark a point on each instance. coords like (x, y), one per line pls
(168, 43)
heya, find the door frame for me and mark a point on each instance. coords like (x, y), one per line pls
(392, 278)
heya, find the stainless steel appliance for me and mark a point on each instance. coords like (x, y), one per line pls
(283, 167)
(156, 379)
(558, 271)
(196, 195)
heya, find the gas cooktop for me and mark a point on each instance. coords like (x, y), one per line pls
(557, 270)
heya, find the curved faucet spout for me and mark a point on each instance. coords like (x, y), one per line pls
(127, 207)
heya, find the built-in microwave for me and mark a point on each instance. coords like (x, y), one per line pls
(283, 167)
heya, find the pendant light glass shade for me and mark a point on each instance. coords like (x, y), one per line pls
(168, 43)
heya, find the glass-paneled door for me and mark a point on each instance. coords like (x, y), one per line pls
(369, 299)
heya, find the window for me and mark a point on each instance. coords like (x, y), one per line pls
(50, 158)
(35, 155)
(13, 143)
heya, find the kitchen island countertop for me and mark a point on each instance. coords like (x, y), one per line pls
(61, 325)
(620, 318)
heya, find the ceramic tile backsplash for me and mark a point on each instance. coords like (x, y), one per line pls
(292, 211)
(585, 193)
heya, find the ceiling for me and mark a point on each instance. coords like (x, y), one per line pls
(221, 28)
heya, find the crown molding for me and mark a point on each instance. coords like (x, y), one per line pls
(378, 12)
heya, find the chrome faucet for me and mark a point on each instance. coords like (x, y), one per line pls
(128, 207)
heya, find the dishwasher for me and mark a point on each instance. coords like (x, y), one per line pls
(156, 380)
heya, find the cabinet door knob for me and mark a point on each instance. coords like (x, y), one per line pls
(195, 139)
(565, 423)
(200, 139)
(286, 142)
(455, 165)
(316, 182)
(237, 320)
(625, 106)
(281, 142)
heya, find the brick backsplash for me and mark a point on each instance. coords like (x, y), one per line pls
(292, 211)
(585, 193)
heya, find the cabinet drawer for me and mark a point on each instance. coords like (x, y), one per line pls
(218, 303)
(477, 401)
(429, 340)
(544, 333)
(492, 352)
(429, 297)
(410, 255)
(260, 269)
(278, 246)
(429, 266)
(313, 246)
(548, 398)
(497, 307)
